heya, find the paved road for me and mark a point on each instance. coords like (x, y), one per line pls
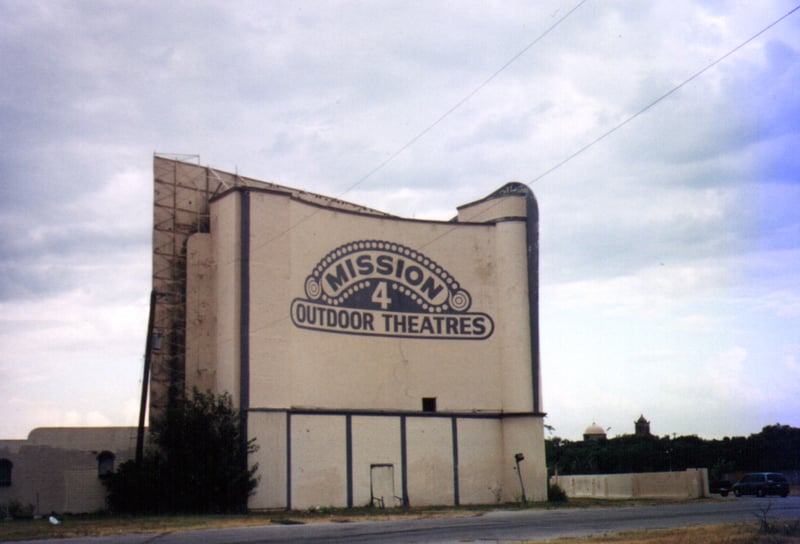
(498, 526)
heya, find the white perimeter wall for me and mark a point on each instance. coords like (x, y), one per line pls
(691, 484)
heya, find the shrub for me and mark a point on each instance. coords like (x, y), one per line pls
(556, 494)
(198, 463)
(18, 510)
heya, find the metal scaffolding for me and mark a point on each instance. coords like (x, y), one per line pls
(181, 195)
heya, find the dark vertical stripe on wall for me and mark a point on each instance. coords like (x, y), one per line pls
(244, 320)
(288, 461)
(532, 236)
(403, 460)
(454, 434)
(349, 445)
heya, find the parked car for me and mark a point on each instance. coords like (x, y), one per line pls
(762, 483)
(720, 486)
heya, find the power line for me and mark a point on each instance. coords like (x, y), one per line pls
(660, 98)
(441, 118)
(461, 102)
(574, 154)
(638, 113)
(564, 161)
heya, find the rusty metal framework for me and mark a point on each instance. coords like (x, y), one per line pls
(181, 195)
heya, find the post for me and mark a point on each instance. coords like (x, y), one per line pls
(519, 457)
(145, 379)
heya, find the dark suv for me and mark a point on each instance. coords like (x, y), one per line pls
(762, 483)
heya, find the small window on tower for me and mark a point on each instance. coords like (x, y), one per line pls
(428, 404)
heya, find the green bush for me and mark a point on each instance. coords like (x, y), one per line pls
(198, 463)
(556, 494)
(18, 510)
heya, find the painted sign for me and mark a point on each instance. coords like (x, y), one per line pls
(379, 288)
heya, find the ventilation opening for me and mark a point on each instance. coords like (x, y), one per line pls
(428, 404)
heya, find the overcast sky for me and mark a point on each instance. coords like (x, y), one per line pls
(670, 250)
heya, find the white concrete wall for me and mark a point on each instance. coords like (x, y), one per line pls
(480, 454)
(376, 440)
(430, 461)
(269, 431)
(271, 268)
(297, 367)
(691, 484)
(514, 336)
(318, 476)
(225, 225)
(524, 435)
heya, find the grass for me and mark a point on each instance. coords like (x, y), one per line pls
(101, 525)
(107, 525)
(736, 533)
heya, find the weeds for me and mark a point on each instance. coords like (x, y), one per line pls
(788, 529)
(763, 519)
(556, 494)
(16, 510)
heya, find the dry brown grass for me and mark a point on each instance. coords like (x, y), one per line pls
(740, 533)
(84, 526)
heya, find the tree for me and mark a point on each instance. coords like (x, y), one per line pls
(197, 462)
(774, 448)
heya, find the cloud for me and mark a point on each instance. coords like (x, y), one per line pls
(31, 412)
(648, 292)
(658, 244)
(783, 303)
(96, 419)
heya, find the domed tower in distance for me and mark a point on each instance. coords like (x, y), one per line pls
(594, 432)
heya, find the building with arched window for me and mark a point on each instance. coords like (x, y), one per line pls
(61, 469)
(374, 358)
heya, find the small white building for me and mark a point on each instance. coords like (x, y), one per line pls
(62, 469)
